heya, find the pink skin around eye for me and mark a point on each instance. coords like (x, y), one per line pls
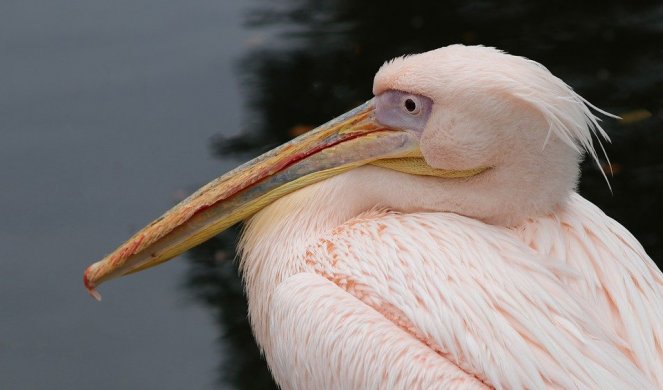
(392, 109)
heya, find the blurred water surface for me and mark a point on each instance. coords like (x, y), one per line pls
(108, 112)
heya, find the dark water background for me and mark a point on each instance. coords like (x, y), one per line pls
(110, 112)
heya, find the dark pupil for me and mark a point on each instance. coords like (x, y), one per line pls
(410, 105)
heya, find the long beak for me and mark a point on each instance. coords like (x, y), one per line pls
(351, 140)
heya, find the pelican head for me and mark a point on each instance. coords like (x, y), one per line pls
(470, 130)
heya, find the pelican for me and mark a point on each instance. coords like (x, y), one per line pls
(432, 238)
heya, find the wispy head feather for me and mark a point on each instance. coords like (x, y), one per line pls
(570, 116)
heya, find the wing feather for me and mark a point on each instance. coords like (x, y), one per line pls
(618, 279)
(479, 297)
(324, 338)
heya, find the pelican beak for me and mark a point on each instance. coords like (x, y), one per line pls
(349, 141)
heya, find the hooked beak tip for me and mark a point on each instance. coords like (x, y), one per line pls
(90, 287)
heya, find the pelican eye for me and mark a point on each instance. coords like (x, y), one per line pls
(403, 110)
(411, 105)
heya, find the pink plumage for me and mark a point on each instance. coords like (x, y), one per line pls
(566, 300)
(433, 238)
(372, 279)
